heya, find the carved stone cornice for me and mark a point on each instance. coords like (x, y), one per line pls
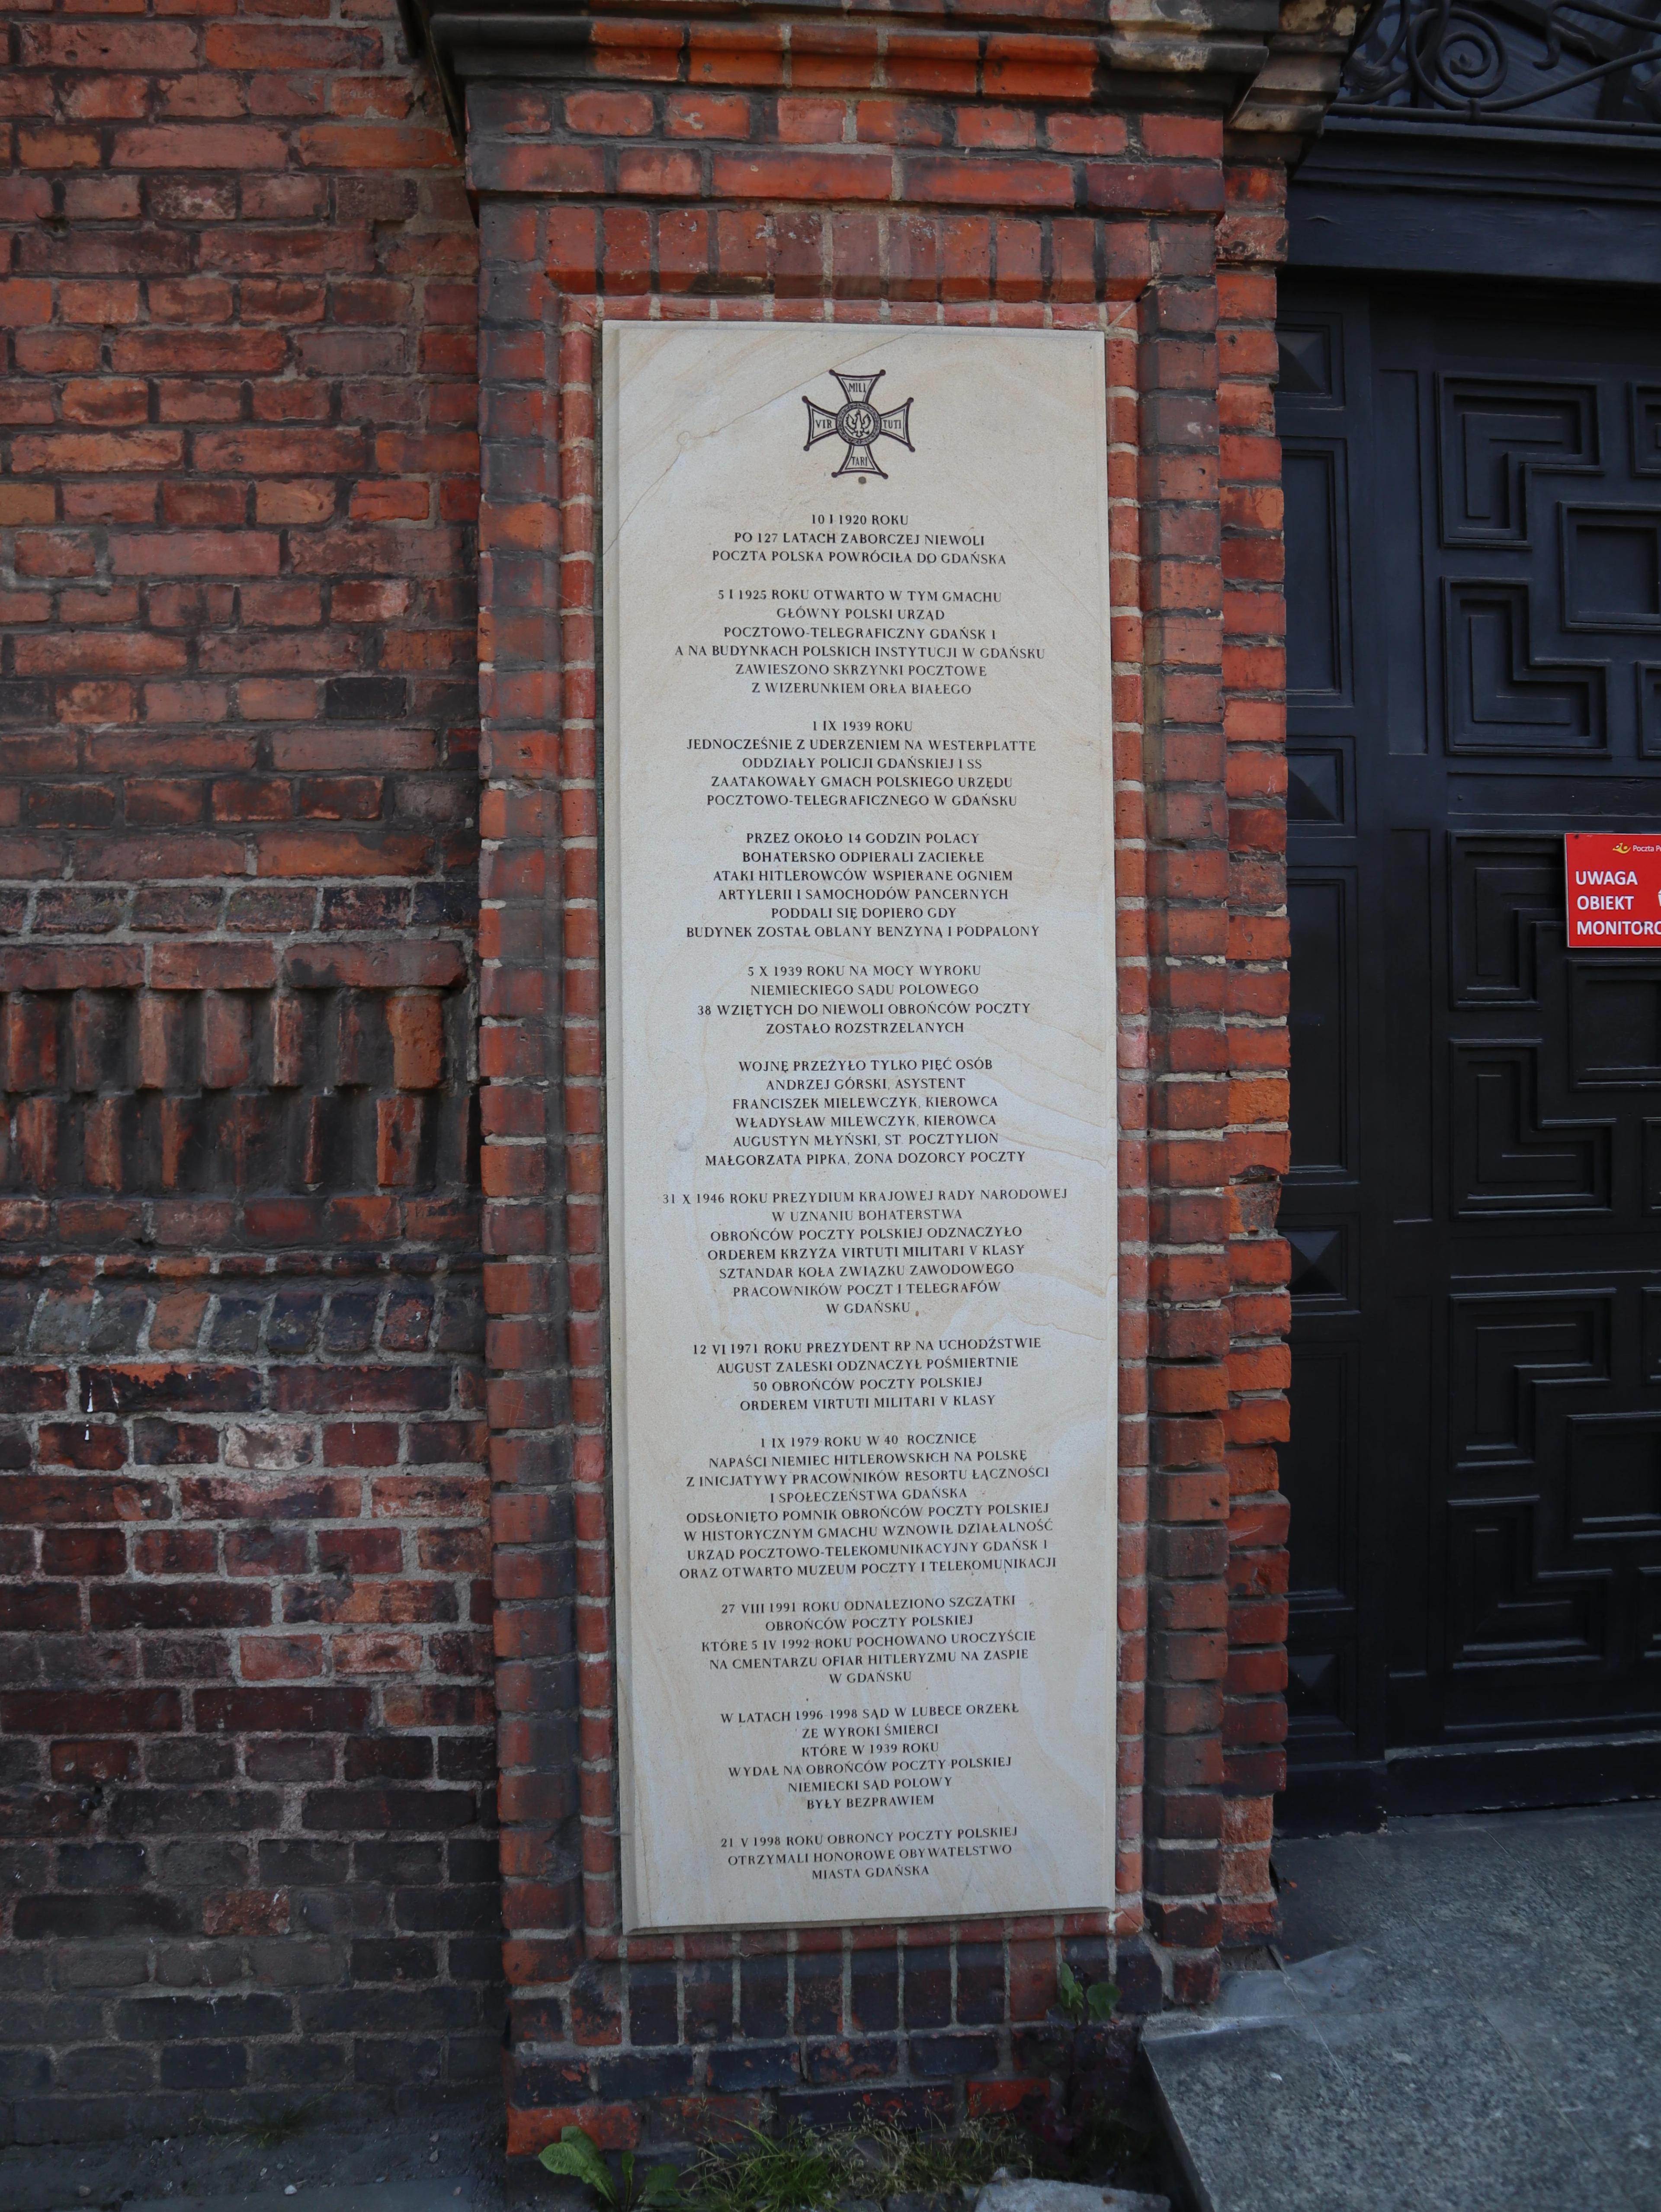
(1282, 112)
(1268, 66)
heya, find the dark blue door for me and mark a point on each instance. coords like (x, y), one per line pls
(1473, 586)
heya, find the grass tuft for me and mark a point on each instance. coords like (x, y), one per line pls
(798, 2172)
(803, 2171)
(272, 2129)
(937, 2159)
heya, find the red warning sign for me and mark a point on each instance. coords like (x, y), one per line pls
(1613, 885)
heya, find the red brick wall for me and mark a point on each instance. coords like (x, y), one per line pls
(245, 1013)
(245, 1706)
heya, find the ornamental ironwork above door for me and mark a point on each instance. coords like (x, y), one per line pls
(1594, 66)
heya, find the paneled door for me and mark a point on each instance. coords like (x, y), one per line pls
(1473, 633)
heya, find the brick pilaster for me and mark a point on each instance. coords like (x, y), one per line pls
(603, 2020)
(536, 1197)
(1188, 889)
(1251, 242)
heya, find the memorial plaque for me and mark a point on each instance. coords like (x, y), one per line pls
(860, 1054)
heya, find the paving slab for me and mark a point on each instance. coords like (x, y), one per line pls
(1469, 2017)
(1034, 2195)
(352, 2196)
(444, 2155)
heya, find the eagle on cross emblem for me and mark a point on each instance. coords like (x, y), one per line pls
(858, 424)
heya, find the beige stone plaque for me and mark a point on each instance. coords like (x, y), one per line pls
(861, 1055)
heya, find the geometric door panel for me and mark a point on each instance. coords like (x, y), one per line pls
(1553, 1530)
(1611, 568)
(1502, 889)
(1505, 1353)
(1556, 1510)
(1615, 1024)
(1503, 694)
(1508, 1155)
(1614, 1477)
(1497, 434)
(1646, 430)
(1474, 1207)
(1504, 1611)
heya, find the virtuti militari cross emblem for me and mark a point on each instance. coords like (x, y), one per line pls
(859, 425)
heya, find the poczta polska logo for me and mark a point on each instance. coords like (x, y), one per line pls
(859, 425)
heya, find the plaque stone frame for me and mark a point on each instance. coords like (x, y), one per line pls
(966, 1779)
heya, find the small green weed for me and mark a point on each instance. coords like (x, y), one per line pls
(576, 2156)
(273, 2129)
(1081, 2004)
